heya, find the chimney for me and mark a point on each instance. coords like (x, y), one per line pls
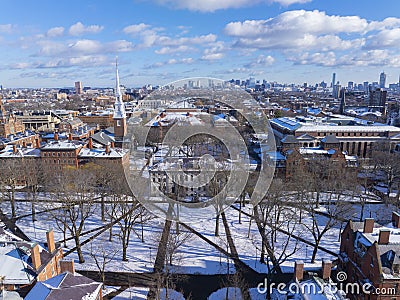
(37, 143)
(112, 145)
(56, 136)
(35, 256)
(51, 246)
(24, 144)
(108, 148)
(14, 148)
(298, 270)
(90, 145)
(67, 266)
(70, 136)
(326, 269)
(368, 225)
(396, 219)
(384, 235)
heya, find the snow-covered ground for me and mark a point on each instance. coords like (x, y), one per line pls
(196, 256)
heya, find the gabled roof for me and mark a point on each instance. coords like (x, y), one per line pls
(330, 139)
(65, 286)
(306, 137)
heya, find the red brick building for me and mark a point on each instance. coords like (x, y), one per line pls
(370, 256)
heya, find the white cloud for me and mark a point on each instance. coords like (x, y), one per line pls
(79, 29)
(261, 61)
(212, 5)
(384, 38)
(172, 50)
(379, 58)
(136, 28)
(300, 29)
(6, 28)
(55, 32)
(171, 61)
(212, 56)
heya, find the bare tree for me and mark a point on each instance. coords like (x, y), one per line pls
(76, 192)
(386, 164)
(12, 177)
(176, 240)
(102, 256)
(275, 217)
(34, 178)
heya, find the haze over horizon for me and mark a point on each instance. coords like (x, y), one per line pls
(52, 44)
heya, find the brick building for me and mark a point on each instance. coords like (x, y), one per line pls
(355, 136)
(23, 262)
(370, 254)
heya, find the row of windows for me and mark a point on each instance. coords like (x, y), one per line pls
(49, 154)
(352, 133)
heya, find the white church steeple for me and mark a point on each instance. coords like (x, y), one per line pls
(119, 108)
(120, 128)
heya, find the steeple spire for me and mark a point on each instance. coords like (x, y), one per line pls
(119, 108)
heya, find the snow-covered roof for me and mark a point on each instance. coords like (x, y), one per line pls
(169, 118)
(14, 264)
(8, 152)
(62, 145)
(101, 153)
(347, 128)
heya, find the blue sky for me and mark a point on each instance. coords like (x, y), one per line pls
(47, 43)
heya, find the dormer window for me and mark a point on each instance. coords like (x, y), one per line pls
(118, 123)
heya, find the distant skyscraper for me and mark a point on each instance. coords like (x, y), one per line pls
(350, 85)
(333, 80)
(78, 87)
(366, 85)
(382, 80)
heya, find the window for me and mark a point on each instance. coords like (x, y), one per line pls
(118, 123)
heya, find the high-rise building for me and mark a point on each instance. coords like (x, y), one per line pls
(366, 85)
(333, 80)
(78, 87)
(350, 85)
(377, 99)
(382, 80)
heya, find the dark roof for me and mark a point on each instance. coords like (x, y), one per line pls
(64, 286)
(330, 139)
(102, 137)
(289, 139)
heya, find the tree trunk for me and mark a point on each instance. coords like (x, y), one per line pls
(240, 210)
(216, 233)
(315, 250)
(111, 232)
(103, 209)
(124, 248)
(33, 210)
(79, 249)
(12, 198)
(262, 254)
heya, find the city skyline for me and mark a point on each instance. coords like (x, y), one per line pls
(48, 44)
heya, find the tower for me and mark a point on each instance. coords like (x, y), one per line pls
(119, 111)
(333, 80)
(78, 87)
(382, 80)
